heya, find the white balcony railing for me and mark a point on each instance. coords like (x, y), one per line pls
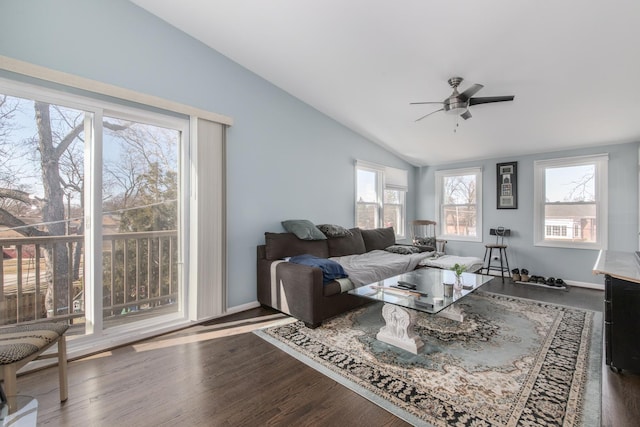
(139, 274)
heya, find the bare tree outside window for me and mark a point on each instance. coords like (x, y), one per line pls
(459, 205)
(37, 140)
(42, 152)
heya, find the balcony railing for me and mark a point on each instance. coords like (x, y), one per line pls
(139, 274)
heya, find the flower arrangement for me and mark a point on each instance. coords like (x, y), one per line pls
(458, 269)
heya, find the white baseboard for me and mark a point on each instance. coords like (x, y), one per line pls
(577, 284)
(242, 307)
(231, 310)
(597, 286)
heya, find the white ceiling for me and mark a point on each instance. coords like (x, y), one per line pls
(573, 66)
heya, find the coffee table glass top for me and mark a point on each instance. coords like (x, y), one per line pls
(429, 296)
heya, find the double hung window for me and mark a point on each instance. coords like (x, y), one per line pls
(459, 204)
(570, 202)
(381, 197)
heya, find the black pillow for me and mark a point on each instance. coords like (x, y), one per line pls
(332, 230)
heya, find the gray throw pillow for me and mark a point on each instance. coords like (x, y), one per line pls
(403, 249)
(303, 229)
(332, 230)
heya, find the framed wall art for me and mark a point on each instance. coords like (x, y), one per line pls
(507, 177)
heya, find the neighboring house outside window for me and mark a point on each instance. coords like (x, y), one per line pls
(381, 197)
(570, 202)
(459, 204)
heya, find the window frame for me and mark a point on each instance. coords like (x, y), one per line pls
(600, 162)
(402, 206)
(439, 182)
(204, 295)
(383, 183)
(95, 109)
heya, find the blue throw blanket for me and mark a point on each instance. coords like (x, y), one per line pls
(331, 270)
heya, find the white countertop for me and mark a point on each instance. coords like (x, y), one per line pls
(622, 265)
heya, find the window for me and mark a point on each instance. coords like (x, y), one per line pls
(380, 197)
(570, 202)
(95, 198)
(369, 182)
(459, 204)
(140, 209)
(394, 206)
(50, 141)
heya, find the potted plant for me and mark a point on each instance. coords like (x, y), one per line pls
(458, 269)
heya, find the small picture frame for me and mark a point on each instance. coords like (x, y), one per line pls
(507, 185)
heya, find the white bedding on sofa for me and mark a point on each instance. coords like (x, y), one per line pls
(446, 262)
(377, 265)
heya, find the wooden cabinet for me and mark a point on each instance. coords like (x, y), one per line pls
(621, 309)
(622, 324)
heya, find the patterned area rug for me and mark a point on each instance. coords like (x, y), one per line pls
(512, 362)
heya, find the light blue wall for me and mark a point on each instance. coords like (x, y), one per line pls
(571, 264)
(285, 159)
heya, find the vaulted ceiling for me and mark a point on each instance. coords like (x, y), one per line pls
(573, 66)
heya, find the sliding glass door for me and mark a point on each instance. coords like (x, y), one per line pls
(56, 193)
(140, 220)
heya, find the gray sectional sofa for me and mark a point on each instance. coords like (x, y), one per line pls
(298, 290)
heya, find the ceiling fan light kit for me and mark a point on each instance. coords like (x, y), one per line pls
(458, 103)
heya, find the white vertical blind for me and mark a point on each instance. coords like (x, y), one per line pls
(93, 214)
(207, 281)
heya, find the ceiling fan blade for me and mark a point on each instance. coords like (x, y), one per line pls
(470, 92)
(417, 103)
(466, 115)
(488, 99)
(427, 115)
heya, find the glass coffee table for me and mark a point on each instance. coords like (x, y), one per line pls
(434, 293)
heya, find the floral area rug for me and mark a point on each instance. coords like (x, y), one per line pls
(512, 362)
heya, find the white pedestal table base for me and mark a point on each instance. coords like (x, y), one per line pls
(399, 329)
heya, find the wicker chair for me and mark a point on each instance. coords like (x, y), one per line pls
(423, 235)
(20, 345)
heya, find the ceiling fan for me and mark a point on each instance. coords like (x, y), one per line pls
(459, 103)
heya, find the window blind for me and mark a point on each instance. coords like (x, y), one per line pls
(396, 179)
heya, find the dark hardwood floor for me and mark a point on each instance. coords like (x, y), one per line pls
(218, 374)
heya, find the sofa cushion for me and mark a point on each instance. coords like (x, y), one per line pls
(379, 238)
(303, 229)
(347, 245)
(281, 245)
